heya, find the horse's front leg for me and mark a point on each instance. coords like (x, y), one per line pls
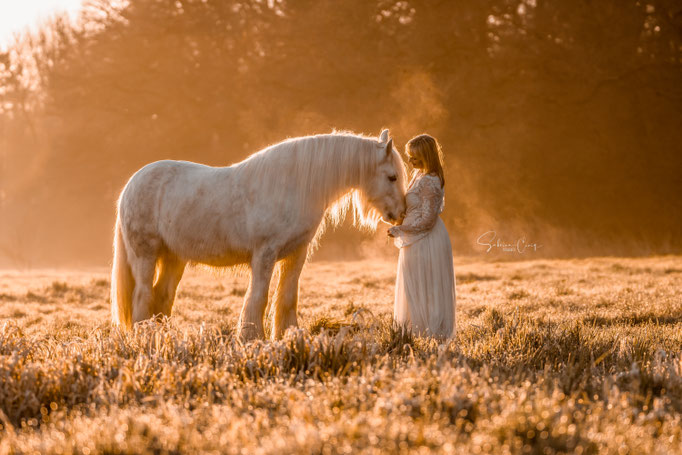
(256, 299)
(286, 297)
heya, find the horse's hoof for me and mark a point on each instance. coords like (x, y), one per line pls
(249, 332)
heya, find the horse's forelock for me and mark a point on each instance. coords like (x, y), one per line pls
(400, 168)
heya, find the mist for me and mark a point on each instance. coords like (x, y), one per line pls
(561, 122)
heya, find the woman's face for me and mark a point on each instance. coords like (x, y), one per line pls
(416, 162)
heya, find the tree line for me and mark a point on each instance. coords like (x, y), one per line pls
(560, 121)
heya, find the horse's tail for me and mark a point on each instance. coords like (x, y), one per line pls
(122, 283)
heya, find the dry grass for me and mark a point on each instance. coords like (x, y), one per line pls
(577, 356)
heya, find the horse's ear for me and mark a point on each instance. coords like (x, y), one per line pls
(389, 147)
(383, 138)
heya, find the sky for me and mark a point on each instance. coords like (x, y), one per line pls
(15, 15)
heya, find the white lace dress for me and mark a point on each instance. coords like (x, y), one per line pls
(425, 283)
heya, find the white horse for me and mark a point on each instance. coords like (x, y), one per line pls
(270, 207)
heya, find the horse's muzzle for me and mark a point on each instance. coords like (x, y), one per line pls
(395, 220)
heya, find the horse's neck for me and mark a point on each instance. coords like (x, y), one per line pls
(354, 164)
(320, 170)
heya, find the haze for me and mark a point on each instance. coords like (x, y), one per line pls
(560, 124)
(15, 16)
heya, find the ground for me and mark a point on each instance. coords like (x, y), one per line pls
(551, 356)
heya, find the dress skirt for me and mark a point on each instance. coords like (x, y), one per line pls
(425, 285)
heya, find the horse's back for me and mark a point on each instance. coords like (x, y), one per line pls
(142, 192)
(193, 210)
(165, 170)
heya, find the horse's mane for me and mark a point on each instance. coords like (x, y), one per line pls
(320, 165)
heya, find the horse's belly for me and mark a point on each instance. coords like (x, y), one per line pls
(228, 244)
(229, 259)
(207, 244)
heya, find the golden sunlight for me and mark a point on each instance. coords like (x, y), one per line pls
(16, 16)
(358, 226)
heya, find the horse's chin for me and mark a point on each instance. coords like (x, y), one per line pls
(392, 222)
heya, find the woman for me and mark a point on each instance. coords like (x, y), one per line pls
(425, 283)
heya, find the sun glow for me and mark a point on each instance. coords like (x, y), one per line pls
(16, 16)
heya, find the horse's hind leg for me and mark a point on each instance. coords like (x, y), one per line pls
(143, 268)
(286, 297)
(251, 318)
(171, 269)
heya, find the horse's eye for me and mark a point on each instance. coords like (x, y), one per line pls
(392, 178)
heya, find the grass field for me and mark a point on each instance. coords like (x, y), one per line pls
(551, 356)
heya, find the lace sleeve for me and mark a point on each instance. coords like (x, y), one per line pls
(423, 217)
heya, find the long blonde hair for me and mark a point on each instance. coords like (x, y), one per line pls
(427, 149)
